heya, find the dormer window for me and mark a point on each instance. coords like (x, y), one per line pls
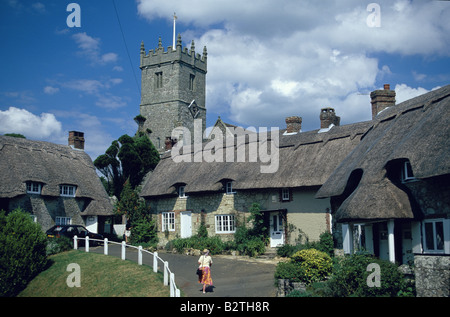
(181, 192)
(407, 173)
(67, 190)
(34, 188)
(229, 188)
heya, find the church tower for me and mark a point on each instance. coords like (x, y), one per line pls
(173, 91)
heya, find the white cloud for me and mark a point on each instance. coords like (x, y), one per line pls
(403, 92)
(15, 120)
(271, 59)
(49, 90)
(90, 47)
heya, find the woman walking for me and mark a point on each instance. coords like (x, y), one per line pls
(205, 263)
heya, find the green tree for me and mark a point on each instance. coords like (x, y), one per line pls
(22, 251)
(128, 158)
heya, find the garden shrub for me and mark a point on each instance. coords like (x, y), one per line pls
(213, 244)
(58, 245)
(144, 232)
(307, 266)
(316, 265)
(22, 251)
(350, 278)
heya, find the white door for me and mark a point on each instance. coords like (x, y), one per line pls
(91, 223)
(276, 230)
(186, 224)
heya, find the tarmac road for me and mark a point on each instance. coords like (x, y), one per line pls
(232, 276)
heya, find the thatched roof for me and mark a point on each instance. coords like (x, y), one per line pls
(416, 130)
(305, 159)
(52, 165)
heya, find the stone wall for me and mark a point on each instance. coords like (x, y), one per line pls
(432, 274)
(304, 213)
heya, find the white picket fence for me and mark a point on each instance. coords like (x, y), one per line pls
(169, 277)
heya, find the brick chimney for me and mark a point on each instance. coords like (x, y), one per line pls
(169, 143)
(76, 140)
(328, 117)
(293, 124)
(381, 99)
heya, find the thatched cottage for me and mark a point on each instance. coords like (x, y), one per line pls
(57, 184)
(182, 191)
(391, 194)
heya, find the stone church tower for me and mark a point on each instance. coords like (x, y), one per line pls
(173, 91)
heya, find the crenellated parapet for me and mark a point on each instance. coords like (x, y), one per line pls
(159, 56)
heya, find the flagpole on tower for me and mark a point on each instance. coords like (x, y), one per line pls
(174, 32)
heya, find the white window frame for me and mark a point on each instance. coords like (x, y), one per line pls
(168, 221)
(407, 175)
(225, 224)
(434, 235)
(34, 188)
(62, 221)
(67, 190)
(285, 194)
(229, 188)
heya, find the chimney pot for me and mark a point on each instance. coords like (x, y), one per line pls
(382, 99)
(76, 140)
(293, 124)
(328, 117)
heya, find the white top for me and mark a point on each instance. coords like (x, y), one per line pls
(205, 261)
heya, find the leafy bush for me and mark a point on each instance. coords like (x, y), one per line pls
(325, 244)
(58, 245)
(213, 244)
(316, 265)
(144, 231)
(307, 266)
(22, 251)
(350, 278)
(247, 243)
(289, 270)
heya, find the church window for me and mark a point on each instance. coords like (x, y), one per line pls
(191, 82)
(158, 80)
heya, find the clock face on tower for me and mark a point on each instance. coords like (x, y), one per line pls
(194, 109)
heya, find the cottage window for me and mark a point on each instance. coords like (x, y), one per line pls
(225, 224)
(168, 221)
(434, 235)
(181, 192)
(229, 188)
(62, 221)
(407, 173)
(34, 188)
(285, 194)
(67, 190)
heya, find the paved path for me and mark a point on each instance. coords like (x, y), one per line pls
(232, 276)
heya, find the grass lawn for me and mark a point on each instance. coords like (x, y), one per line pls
(101, 276)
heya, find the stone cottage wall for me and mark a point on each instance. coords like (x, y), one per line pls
(432, 274)
(304, 212)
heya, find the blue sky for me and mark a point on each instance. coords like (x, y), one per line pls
(267, 60)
